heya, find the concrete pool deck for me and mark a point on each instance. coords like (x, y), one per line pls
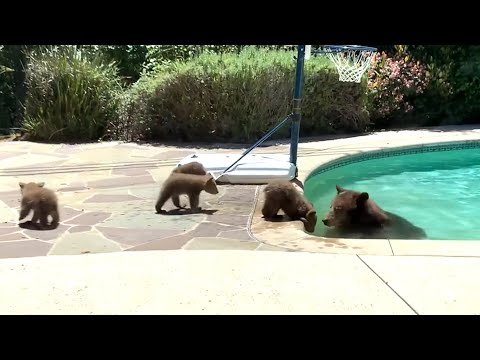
(107, 193)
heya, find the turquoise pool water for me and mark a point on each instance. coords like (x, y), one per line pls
(436, 191)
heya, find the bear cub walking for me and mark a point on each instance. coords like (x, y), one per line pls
(185, 184)
(42, 201)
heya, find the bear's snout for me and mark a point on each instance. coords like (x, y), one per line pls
(326, 222)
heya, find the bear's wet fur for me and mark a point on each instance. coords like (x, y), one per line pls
(353, 214)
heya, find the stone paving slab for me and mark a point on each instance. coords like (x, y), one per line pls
(112, 209)
(108, 190)
(24, 248)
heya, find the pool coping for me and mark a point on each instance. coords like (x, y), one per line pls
(291, 235)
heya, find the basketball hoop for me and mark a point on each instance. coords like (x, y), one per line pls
(351, 61)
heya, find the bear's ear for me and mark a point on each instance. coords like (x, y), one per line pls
(310, 219)
(362, 198)
(22, 184)
(311, 213)
(340, 189)
(41, 184)
(211, 179)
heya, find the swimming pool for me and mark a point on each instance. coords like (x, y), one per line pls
(435, 187)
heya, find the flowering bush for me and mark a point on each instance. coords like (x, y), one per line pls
(392, 84)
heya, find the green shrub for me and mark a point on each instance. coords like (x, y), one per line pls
(12, 83)
(158, 55)
(129, 59)
(458, 81)
(238, 97)
(69, 95)
(331, 106)
(7, 89)
(466, 85)
(451, 96)
(7, 99)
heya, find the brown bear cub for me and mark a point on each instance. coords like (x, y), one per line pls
(283, 195)
(354, 214)
(193, 167)
(42, 201)
(185, 184)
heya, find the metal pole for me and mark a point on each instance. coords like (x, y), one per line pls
(296, 117)
(259, 142)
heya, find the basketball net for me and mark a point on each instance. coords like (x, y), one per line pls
(351, 61)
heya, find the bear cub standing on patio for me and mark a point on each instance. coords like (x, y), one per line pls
(189, 184)
(354, 214)
(283, 195)
(193, 167)
(42, 201)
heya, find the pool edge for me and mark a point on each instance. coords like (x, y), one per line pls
(293, 230)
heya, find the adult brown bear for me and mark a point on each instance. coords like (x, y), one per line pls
(353, 214)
